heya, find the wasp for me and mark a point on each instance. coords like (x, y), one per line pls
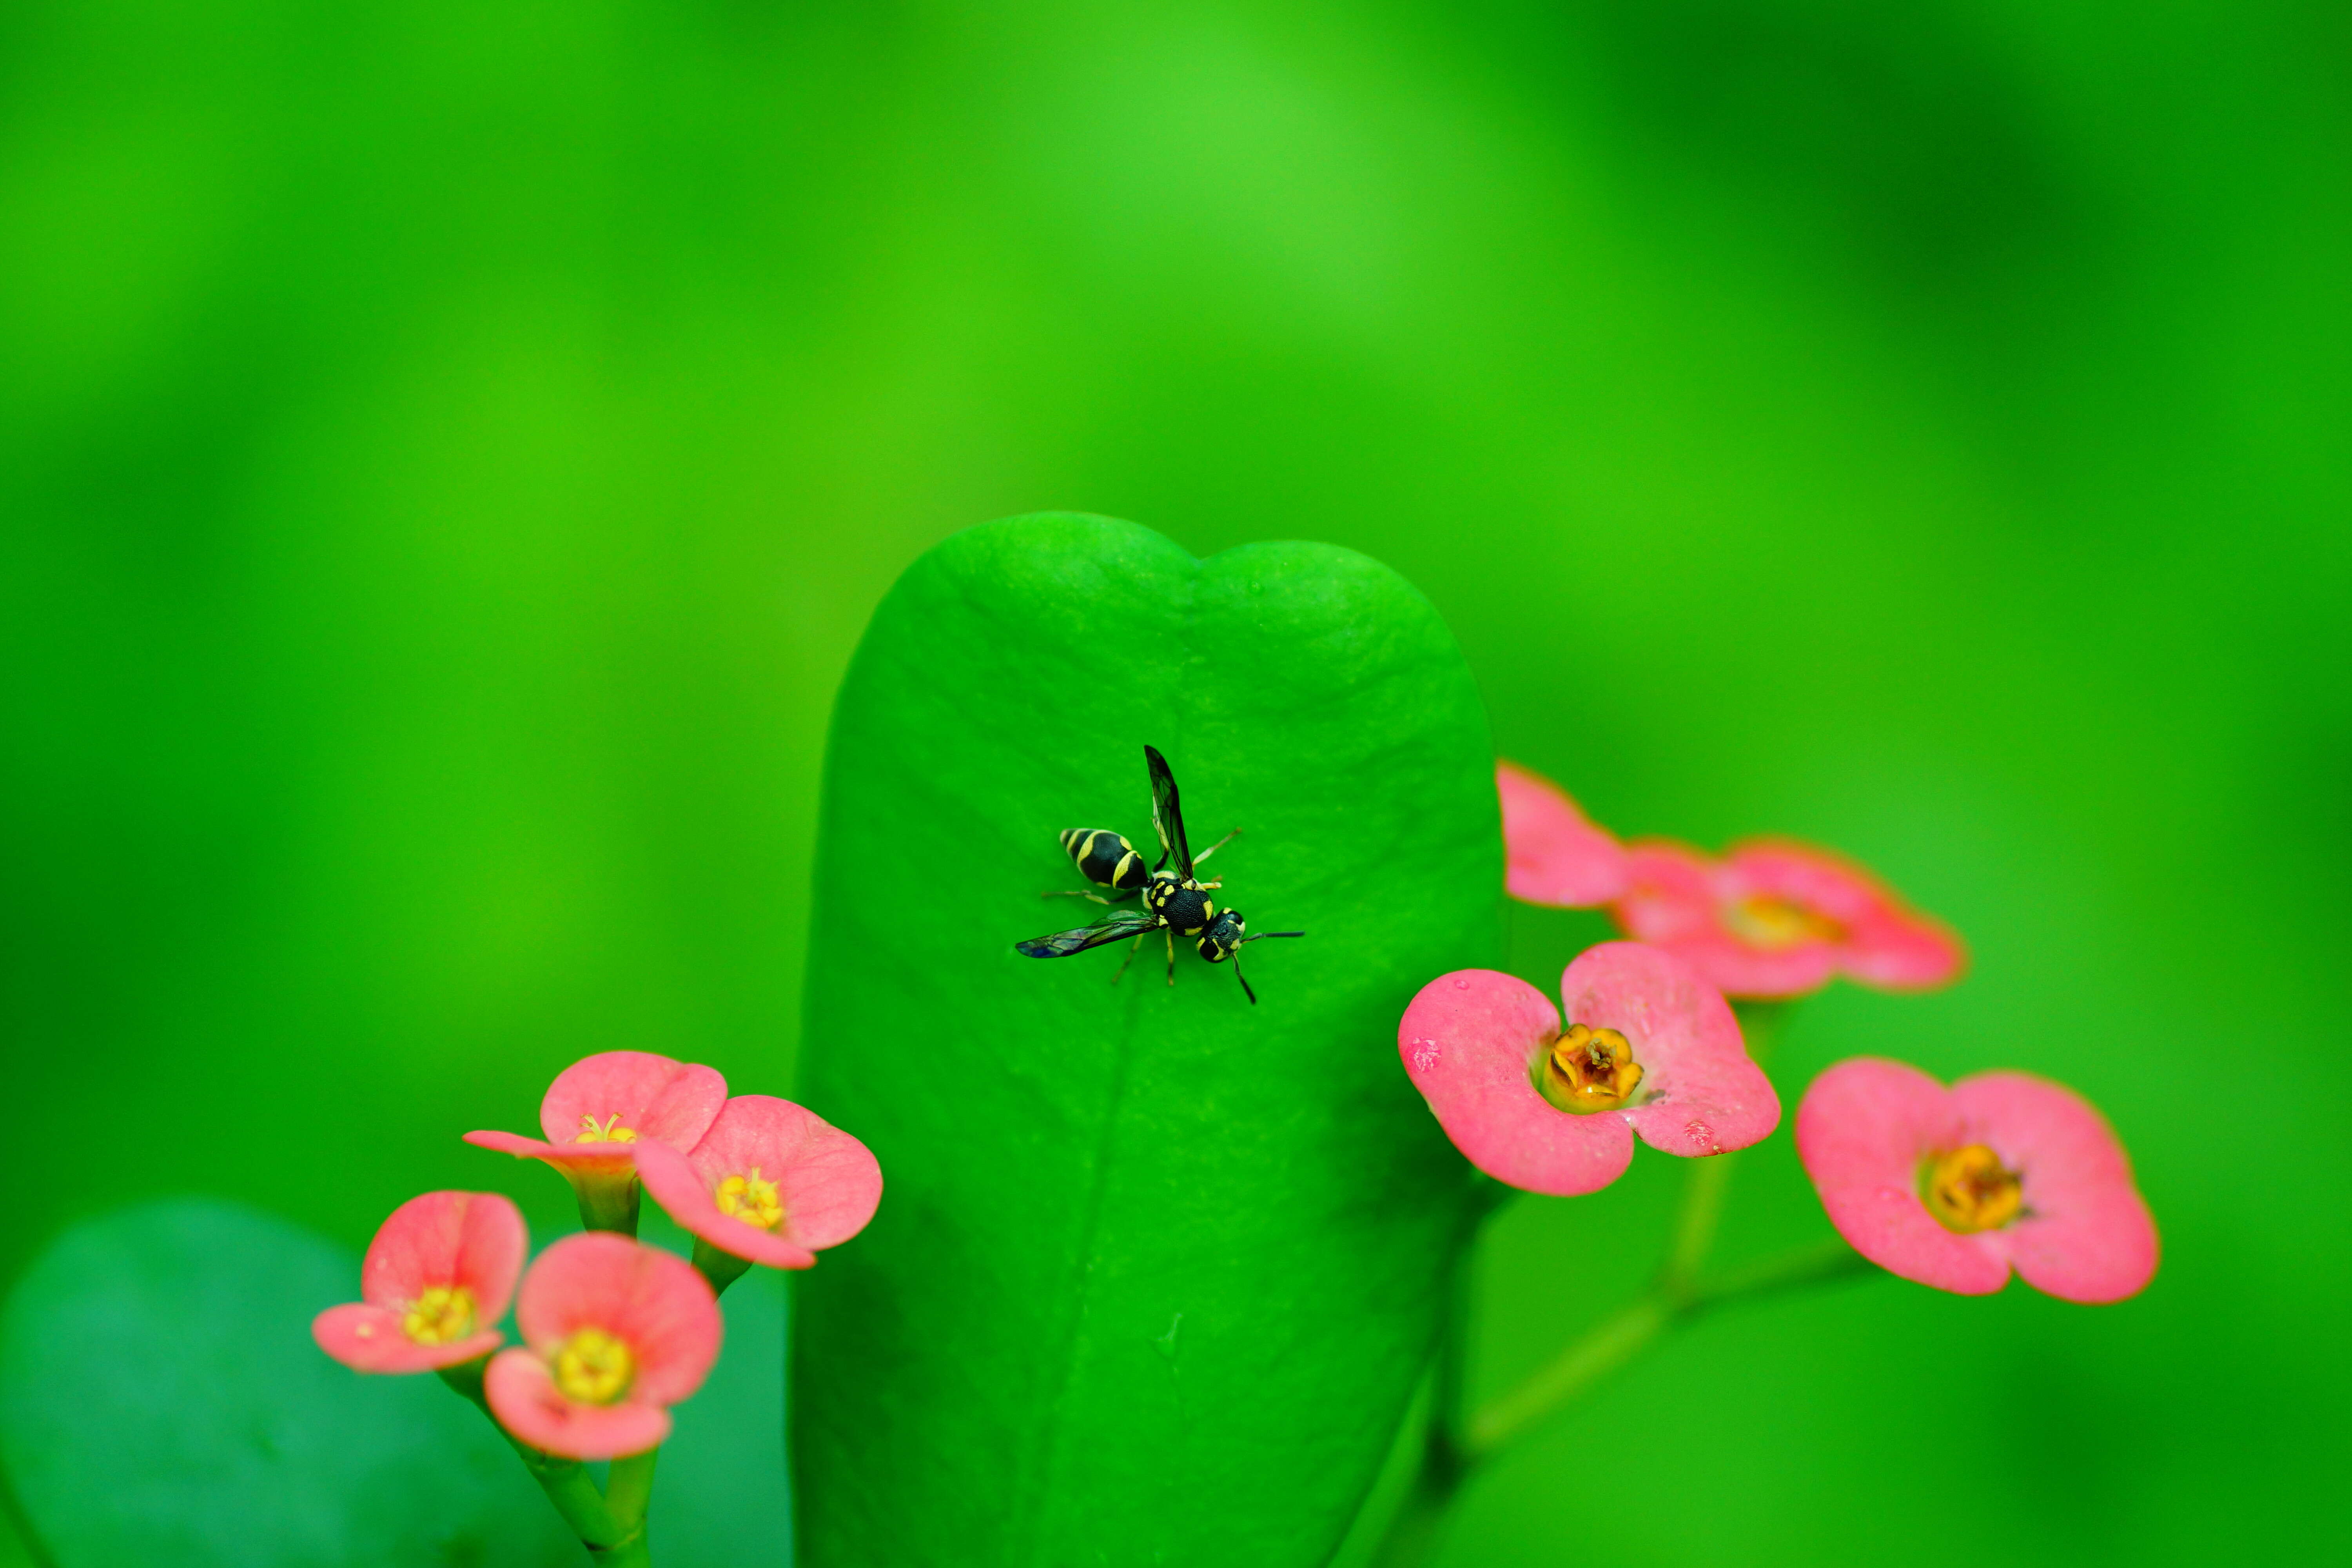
(1173, 900)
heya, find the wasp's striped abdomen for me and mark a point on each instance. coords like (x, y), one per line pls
(1105, 859)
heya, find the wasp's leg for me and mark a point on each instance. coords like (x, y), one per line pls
(1072, 893)
(1171, 955)
(1212, 849)
(1129, 959)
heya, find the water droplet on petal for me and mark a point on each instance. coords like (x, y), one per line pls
(1462, 983)
(1700, 1132)
(1425, 1055)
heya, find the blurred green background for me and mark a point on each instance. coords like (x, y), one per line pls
(448, 453)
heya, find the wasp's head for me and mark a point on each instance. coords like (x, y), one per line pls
(1223, 935)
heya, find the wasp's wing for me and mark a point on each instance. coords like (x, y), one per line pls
(1167, 816)
(1062, 944)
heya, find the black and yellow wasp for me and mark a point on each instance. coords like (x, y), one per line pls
(1174, 901)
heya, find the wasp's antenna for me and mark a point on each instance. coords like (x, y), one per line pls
(1262, 935)
(1238, 975)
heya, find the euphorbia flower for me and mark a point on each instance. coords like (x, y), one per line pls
(596, 1113)
(1553, 852)
(772, 1182)
(617, 1331)
(436, 1281)
(1649, 1048)
(1776, 918)
(1953, 1187)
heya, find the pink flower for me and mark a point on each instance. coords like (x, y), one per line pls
(1776, 918)
(436, 1281)
(771, 1182)
(1649, 1048)
(1955, 1186)
(596, 1113)
(1555, 854)
(617, 1332)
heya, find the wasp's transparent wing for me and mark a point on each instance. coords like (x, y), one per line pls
(1062, 944)
(1167, 816)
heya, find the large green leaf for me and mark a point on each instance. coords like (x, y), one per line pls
(161, 1402)
(1155, 1270)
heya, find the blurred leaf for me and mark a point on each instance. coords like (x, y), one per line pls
(1155, 1270)
(161, 1400)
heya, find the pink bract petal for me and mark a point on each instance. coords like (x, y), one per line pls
(1675, 898)
(371, 1339)
(476, 1240)
(653, 1096)
(1886, 944)
(828, 1183)
(1470, 1042)
(523, 1397)
(1862, 1128)
(1699, 1094)
(1555, 855)
(1867, 1126)
(1742, 921)
(652, 1300)
(445, 1241)
(2085, 1233)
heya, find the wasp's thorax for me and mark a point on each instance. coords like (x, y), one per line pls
(1184, 904)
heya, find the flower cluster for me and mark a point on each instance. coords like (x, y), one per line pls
(613, 1332)
(1951, 1187)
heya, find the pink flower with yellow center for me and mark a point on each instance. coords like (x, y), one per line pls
(1648, 1048)
(1776, 918)
(616, 1331)
(772, 1182)
(434, 1283)
(1954, 1187)
(600, 1111)
(1553, 852)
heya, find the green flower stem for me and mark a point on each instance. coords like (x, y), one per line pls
(1617, 1339)
(608, 1205)
(628, 1488)
(719, 1270)
(567, 1483)
(1761, 1025)
(1695, 1225)
(1610, 1344)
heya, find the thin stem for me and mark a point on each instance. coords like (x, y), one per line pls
(1820, 1263)
(628, 1488)
(1695, 1225)
(1761, 1025)
(567, 1483)
(719, 1270)
(1612, 1343)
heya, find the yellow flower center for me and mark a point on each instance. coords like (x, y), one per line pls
(1588, 1070)
(443, 1312)
(1762, 920)
(753, 1201)
(593, 1367)
(1970, 1190)
(610, 1131)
